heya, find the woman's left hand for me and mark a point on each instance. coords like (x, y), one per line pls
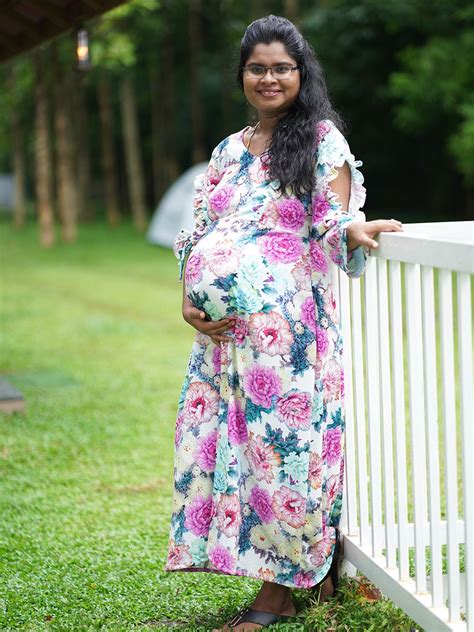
(363, 233)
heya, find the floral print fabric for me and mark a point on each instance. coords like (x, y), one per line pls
(260, 425)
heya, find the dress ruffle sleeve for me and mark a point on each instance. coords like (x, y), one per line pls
(204, 184)
(330, 220)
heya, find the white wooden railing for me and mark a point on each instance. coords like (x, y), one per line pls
(408, 516)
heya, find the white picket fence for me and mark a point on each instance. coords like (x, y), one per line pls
(408, 517)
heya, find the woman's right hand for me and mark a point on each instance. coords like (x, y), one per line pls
(198, 319)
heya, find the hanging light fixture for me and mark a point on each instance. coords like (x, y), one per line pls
(83, 61)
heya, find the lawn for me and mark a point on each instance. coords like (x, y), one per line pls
(92, 334)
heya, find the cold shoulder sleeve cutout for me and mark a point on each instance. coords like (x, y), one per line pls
(330, 217)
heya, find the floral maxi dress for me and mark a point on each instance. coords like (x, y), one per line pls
(260, 427)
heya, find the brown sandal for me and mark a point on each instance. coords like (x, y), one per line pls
(250, 615)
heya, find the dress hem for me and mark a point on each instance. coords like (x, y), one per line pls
(204, 569)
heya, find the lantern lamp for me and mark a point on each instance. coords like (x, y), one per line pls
(82, 49)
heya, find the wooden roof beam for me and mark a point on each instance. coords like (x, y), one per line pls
(51, 12)
(6, 41)
(95, 6)
(23, 24)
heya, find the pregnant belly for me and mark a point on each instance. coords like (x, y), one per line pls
(224, 279)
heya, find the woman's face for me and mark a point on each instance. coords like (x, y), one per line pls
(270, 94)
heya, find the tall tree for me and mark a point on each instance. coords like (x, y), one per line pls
(168, 99)
(291, 10)
(43, 172)
(133, 161)
(66, 175)
(195, 46)
(82, 145)
(18, 151)
(109, 163)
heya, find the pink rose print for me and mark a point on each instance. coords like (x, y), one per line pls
(270, 333)
(332, 445)
(261, 384)
(269, 217)
(216, 360)
(302, 272)
(261, 501)
(199, 514)
(334, 242)
(221, 559)
(208, 180)
(332, 487)
(281, 247)
(321, 207)
(266, 574)
(292, 214)
(322, 129)
(320, 552)
(333, 381)
(178, 556)
(220, 199)
(224, 260)
(330, 305)
(236, 424)
(308, 314)
(205, 454)
(262, 458)
(315, 470)
(289, 506)
(318, 257)
(295, 410)
(179, 429)
(304, 579)
(228, 515)
(201, 404)
(322, 341)
(193, 270)
(240, 329)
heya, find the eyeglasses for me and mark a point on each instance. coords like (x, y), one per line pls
(283, 71)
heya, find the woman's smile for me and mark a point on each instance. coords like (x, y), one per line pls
(269, 94)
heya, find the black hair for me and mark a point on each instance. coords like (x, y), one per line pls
(291, 153)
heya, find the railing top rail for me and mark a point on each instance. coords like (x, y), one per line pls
(448, 245)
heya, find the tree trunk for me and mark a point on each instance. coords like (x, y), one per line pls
(168, 121)
(109, 164)
(469, 208)
(85, 209)
(258, 8)
(157, 138)
(66, 182)
(18, 163)
(42, 156)
(136, 186)
(19, 211)
(291, 10)
(195, 45)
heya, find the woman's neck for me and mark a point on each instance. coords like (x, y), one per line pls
(268, 122)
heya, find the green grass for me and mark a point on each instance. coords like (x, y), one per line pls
(92, 335)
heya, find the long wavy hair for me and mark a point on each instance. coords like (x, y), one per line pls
(291, 154)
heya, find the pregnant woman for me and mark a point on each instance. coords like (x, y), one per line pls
(260, 426)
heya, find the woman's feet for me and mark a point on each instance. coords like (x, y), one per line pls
(273, 599)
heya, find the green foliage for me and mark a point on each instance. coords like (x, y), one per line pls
(435, 90)
(461, 143)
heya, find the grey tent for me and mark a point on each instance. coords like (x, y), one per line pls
(175, 210)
